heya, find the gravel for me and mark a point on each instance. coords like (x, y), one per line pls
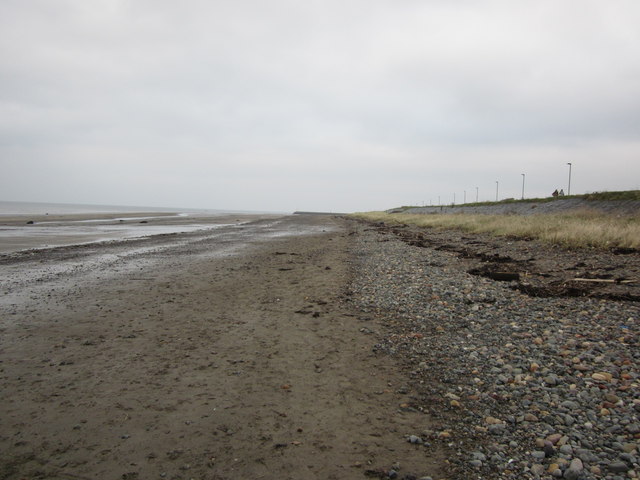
(513, 386)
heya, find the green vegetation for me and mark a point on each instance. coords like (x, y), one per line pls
(577, 229)
(625, 195)
(615, 196)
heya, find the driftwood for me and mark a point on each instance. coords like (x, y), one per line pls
(503, 276)
(603, 280)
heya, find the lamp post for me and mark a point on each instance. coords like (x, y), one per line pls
(523, 175)
(497, 185)
(476, 194)
(465, 197)
(569, 187)
(454, 198)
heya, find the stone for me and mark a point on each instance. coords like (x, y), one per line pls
(497, 429)
(566, 449)
(633, 428)
(618, 467)
(570, 404)
(479, 456)
(610, 397)
(575, 469)
(537, 469)
(602, 376)
(554, 438)
(493, 421)
(549, 450)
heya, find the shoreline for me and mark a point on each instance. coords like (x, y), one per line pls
(17, 233)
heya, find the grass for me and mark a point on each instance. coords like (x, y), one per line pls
(578, 229)
(625, 195)
(616, 196)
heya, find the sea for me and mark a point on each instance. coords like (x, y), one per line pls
(43, 234)
(36, 208)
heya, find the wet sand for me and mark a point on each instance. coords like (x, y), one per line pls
(24, 232)
(219, 354)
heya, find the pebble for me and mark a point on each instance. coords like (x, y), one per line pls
(618, 467)
(575, 469)
(518, 368)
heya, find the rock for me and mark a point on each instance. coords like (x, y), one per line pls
(570, 404)
(563, 369)
(538, 454)
(575, 469)
(566, 449)
(497, 429)
(610, 397)
(602, 376)
(554, 438)
(627, 457)
(633, 428)
(549, 450)
(618, 467)
(537, 469)
(478, 456)
(493, 421)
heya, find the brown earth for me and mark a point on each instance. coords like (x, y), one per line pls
(212, 356)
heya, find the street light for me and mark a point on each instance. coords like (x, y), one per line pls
(476, 194)
(497, 184)
(465, 198)
(522, 185)
(569, 188)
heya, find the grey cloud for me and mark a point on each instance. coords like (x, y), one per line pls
(396, 100)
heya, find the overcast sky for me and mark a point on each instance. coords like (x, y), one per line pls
(286, 105)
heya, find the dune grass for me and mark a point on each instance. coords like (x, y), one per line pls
(578, 229)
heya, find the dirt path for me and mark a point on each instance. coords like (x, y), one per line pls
(223, 357)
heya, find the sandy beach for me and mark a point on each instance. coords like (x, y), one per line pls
(220, 354)
(319, 346)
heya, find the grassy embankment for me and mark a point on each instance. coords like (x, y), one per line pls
(573, 229)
